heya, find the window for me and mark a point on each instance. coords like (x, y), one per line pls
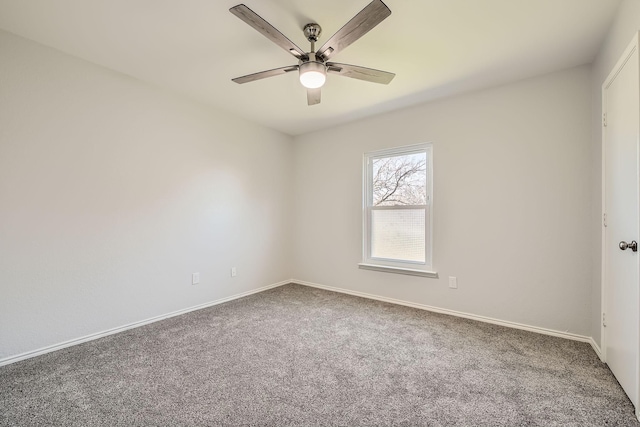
(397, 210)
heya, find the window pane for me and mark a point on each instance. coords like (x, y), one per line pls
(398, 234)
(399, 180)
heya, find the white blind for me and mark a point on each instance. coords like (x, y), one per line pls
(398, 234)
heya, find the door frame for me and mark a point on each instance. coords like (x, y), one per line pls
(632, 48)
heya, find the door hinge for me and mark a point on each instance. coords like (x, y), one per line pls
(603, 321)
(604, 119)
(604, 219)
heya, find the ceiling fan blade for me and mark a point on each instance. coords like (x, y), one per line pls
(313, 96)
(267, 30)
(264, 74)
(360, 73)
(362, 23)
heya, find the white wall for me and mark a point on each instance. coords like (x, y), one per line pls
(112, 192)
(626, 24)
(512, 202)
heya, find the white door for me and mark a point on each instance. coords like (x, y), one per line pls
(621, 294)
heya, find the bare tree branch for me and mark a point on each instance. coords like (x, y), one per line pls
(399, 180)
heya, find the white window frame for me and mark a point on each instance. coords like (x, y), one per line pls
(414, 268)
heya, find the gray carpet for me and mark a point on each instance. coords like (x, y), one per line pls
(301, 356)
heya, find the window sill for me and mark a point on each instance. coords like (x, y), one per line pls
(398, 270)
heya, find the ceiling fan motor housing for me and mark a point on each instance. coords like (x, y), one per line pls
(313, 72)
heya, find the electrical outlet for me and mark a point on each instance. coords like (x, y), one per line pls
(233, 272)
(195, 278)
(453, 282)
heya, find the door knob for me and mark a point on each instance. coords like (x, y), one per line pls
(633, 245)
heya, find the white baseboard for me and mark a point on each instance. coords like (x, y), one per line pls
(91, 337)
(597, 349)
(514, 325)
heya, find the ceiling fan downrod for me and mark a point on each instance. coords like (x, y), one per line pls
(313, 70)
(312, 32)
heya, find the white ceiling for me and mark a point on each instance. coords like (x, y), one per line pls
(435, 47)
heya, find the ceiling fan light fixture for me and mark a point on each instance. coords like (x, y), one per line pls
(312, 74)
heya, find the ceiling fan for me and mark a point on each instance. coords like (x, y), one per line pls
(313, 66)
